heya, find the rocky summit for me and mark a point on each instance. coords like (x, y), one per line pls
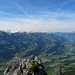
(31, 66)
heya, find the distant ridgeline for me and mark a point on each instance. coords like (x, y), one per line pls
(31, 66)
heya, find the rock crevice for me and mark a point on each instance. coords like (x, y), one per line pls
(32, 66)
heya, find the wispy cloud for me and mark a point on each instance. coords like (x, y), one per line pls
(64, 4)
(19, 7)
(5, 13)
(42, 20)
(37, 24)
(59, 9)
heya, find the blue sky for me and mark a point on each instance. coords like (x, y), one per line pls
(37, 15)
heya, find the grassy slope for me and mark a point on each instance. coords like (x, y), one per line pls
(54, 50)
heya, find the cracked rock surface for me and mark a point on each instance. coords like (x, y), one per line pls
(31, 66)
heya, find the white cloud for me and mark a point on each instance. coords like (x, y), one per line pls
(22, 24)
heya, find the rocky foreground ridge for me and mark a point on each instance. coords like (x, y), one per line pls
(31, 66)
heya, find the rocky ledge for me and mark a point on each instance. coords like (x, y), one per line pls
(31, 66)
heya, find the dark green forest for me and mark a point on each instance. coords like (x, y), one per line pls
(57, 50)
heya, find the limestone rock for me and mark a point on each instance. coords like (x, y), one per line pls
(31, 66)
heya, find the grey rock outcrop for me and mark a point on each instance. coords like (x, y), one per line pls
(31, 66)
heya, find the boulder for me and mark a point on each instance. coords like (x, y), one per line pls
(31, 66)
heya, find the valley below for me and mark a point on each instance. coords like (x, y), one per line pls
(56, 50)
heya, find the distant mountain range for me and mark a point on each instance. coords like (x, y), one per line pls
(52, 48)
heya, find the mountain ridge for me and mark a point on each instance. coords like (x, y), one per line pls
(52, 48)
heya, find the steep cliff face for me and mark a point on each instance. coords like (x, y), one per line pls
(31, 66)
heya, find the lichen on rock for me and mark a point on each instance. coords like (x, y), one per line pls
(32, 66)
